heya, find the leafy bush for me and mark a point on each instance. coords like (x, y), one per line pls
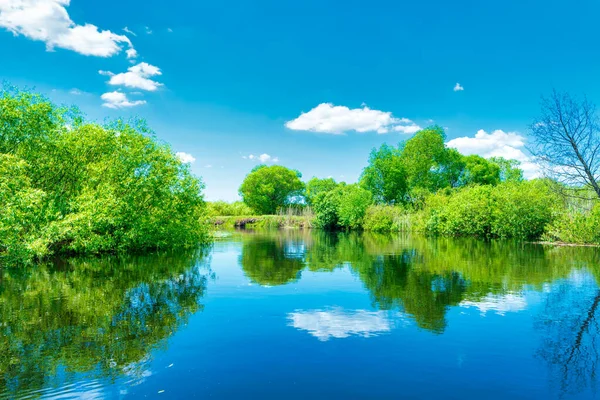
(71, 186)
(343, 207)
(509, 210)
(351, 210)
(576, 226)
(268, 188)
(225, 209)
(380, 218)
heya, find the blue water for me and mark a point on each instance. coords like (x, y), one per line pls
(304, 315)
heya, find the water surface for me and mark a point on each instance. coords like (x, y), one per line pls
(295, 315)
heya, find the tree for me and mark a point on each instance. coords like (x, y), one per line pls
(265, 189)
(509, 169)
(566, 141)
(89, 188)
(353, 205)
(316, 186)
(479, 171)
(385, 176)
(428, 163)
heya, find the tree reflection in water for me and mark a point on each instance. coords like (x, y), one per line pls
(96, 316)
(424, 277)
(570, 332)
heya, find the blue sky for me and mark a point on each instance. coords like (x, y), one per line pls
(313, 84)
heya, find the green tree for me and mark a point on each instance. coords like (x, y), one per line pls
(90, 188)
(479, 171)
(353, 205)
(267, 188)
(385, 176)
(509, 169)
(428, 163)
(343, 207)
(316, 186)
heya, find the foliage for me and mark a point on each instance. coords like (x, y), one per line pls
(224, 209)
(576, 226)
(352, 207)
(22, 213)
(479, 171)
(509, 169)
(316, 186)
(427, 161)
(89, 188)
(267, 188)
(509, 210)
(344, 207)
(385, 218)
(385, 176)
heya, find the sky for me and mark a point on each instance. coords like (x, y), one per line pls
(311, 85)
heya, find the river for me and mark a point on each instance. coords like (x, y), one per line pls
(306, 314)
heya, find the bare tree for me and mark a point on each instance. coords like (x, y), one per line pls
(566, 142)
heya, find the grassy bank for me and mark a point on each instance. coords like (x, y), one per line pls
(263, 222)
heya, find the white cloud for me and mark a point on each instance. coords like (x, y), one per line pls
(500, 304)
(338, 323)
(185, 157)
(148, 30)
(119, 100)
(127, 30)
(208, 166)
(48, 21)
(137, 77)
(407, 129)
(169, 30)
(328, 118)
(76, 92)
(131, 53)
(509, 145)
(458, 87)
(263, 158)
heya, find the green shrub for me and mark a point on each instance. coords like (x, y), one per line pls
(343, 207)
(579, 226)
(382, 218)
(519, 210)
(224, 209)
(71, 186)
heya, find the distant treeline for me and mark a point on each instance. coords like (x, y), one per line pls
(423, 186)
(72, 186)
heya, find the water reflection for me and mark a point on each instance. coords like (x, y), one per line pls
(420, 277)
(339, 323)
(423, 279)
(570, 332)
(100, 317)
(75, 326)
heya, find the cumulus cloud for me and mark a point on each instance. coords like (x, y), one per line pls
(499, 304)
(136, 77)
(509, 145)
(185, 157)
(262, 158)
(131, 53)
(48, 21)
(332, 119)
(119, 100)
(338, 323)
(458, 87)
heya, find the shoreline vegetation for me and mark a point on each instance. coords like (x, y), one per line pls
(73, 187)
